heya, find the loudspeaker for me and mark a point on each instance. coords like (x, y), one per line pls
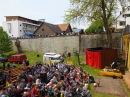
(43, 77)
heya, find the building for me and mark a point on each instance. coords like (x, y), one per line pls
(17, 26)
(123, 19)
(78, 31)
(66, 28)
(47, 29)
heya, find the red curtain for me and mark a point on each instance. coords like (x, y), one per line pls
(96, 59)
(93, 59)
(89, 57)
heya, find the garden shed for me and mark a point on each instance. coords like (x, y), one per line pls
(100, 57)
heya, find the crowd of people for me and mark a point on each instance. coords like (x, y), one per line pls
(55, 80)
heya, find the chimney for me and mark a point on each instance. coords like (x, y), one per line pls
(41, 20)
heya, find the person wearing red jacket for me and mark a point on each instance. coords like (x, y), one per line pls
(35, 91)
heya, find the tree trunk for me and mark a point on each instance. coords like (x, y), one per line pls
(105, 21)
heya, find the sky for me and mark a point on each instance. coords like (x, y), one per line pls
(52, 11)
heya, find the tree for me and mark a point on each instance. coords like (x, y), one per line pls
(95, 27)
(5, 42)
(93, 10)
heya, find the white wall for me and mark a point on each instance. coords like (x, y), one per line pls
(20, 29)
(121, 18)
(14, 28)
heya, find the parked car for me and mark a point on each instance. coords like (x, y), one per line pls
(3, 58)
(51, 58)
(17, 58)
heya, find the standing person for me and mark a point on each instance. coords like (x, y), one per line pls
(27, 62)
(8, 65)
(24, 63)
(3, 64)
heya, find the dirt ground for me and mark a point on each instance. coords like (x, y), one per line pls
(111, 86)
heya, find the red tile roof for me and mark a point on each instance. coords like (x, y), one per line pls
(63, 27)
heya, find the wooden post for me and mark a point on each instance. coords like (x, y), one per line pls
(77, 54)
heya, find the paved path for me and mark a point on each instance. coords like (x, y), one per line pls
(111, 86)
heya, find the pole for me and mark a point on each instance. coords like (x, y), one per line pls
(78, 58)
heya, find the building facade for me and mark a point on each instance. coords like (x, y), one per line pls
(123, 19)
(47, 29)
(17, 26)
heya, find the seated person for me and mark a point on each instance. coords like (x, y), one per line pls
(38, 82)
(114, 64)
(35, 91)
(13, 65)
(91, 79)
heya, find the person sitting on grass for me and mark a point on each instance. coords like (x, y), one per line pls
(13, 65)
(27, 62)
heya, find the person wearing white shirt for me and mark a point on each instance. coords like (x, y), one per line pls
(38, 82)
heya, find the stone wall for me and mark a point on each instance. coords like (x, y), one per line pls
(100, 40)
(65, 44)
(50, 44)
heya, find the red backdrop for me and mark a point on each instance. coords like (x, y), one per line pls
(100, 57)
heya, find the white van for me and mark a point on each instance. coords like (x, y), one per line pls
(51, 58)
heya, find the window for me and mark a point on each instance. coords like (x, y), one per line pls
(126, 15)
(14, 56)
(42, 29)
(20, 24)
(20, 30)
(122, 23)
(9, 27)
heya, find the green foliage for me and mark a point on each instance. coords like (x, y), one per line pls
(5, 42)
(95, 27)
(74, 28)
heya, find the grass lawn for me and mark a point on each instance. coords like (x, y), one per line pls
(32, 57)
